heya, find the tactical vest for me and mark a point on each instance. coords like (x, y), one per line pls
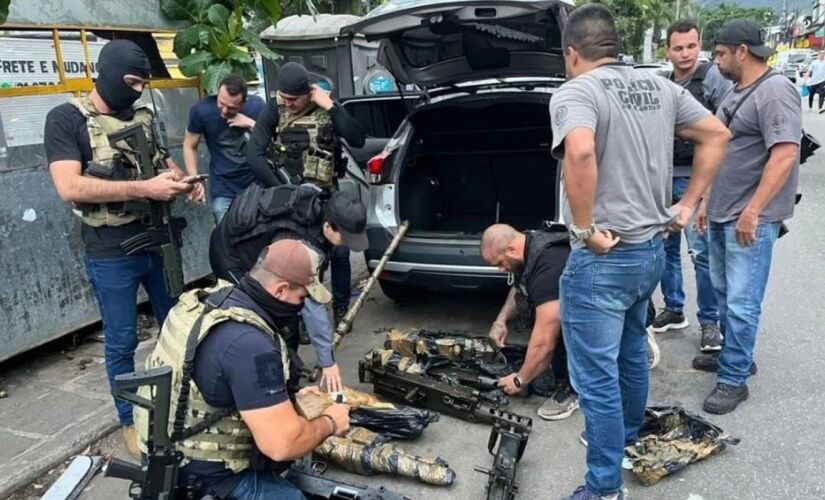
(683, 150)
(305, 145)
(258, 213)
(538, 242)
(106, 156)
(228, 440)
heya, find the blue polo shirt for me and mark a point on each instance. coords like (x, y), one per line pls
(228, 172)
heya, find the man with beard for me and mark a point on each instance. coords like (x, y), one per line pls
(752, 195)
(613, 127)
(75, 139)
(536, 259)
(224, 121)
(707, 86)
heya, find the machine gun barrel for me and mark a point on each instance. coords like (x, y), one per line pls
(308, 477)
(425, 392)
(163, 230)
(345, 325)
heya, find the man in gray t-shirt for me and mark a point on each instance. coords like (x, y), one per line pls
(614, 126)
(750, 198)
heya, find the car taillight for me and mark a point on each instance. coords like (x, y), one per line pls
(375, 165)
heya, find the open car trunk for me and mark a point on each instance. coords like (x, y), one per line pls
(477, 162)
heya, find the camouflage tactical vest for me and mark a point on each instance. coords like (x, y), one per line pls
(103, 154)
(307, 140)
(229, 440)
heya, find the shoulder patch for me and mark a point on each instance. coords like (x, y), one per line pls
(269, 370)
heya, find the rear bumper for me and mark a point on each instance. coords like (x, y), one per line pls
(448, 264)
(443, 277)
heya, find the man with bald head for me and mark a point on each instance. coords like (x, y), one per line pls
(536, 259)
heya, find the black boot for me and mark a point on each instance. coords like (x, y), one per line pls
(338, 313)
(710, 363)
(725, 398)
(303, 336)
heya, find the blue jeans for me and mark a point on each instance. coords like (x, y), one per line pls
(672, 285)
(604, 301)
(257, 485)
(740, 276)
(341, 276)
(219, 206)
(115, 282)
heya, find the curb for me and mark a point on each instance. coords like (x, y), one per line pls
(55, 453)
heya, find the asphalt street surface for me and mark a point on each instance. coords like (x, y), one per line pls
(781, 425)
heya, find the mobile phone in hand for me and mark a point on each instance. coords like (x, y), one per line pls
(195, 178)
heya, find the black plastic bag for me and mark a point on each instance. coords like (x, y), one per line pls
(402, 422)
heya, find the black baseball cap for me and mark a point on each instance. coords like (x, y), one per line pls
(350, 218)
(747, 32)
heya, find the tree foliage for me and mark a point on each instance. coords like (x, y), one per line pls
(4, 10)
(634, 17)
(219, 41)
(713, 19)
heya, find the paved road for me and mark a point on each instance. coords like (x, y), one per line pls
(781, 426)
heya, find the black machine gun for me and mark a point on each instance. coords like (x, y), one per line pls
(308, 476)
(158, 479)
(163, 231)
(425, 392)
(507, 442)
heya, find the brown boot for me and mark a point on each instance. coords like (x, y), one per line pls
(130, 437)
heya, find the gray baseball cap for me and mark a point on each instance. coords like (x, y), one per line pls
(747, 32)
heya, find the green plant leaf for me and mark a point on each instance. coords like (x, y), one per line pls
(249, 71)
(177, 10)
(272, 8)
(188, 39)
(214, 74)
(253, 40)
(239, 55)
(194, 63)
(235, 23)
(4, 10)
(219, 16)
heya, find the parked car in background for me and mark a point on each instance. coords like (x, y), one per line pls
(802, 69)
(473, 145)
(788, 62)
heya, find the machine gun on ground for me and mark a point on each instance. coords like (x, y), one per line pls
(308, 476)
(424, 392)
(507, 442)
(163, 231)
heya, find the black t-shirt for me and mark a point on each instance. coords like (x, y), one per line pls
(543, 283)
(66, 138)
(239, 366)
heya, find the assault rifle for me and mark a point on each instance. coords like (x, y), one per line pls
(424, 392)
(163, 231)
(507, 442)
(308, 476)
(158, 479)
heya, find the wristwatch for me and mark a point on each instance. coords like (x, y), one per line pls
(579, 234)
(517, 381)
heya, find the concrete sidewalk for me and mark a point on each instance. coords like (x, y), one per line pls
(57, 403)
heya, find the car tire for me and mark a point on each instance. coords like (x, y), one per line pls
(399, 292)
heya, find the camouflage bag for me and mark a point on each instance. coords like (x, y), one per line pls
(670, 440)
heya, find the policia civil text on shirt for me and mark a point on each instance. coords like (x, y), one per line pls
(102, 181)
(259, 216)
(613, 126)
(299, 135)
(233, 369)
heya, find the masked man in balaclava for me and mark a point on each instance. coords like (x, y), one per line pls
(98, 179)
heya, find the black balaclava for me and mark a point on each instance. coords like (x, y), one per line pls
(117, 59)
(293, 79)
